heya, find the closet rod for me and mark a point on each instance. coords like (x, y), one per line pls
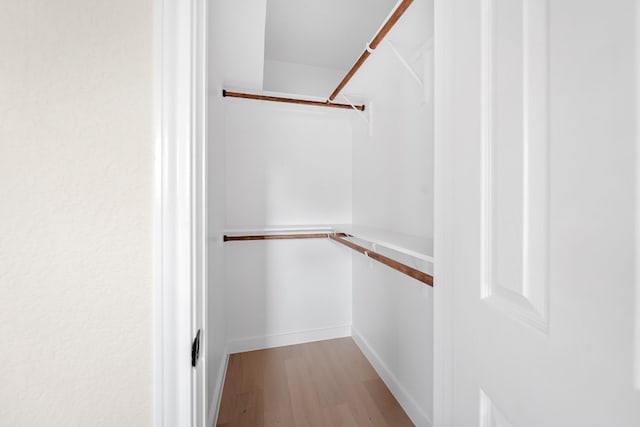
(275, 237)
(409, 271)
(388, 25)
(290, 100)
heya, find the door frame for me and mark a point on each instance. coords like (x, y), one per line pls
(444, 171)
(179, 207)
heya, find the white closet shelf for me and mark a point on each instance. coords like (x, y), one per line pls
(414, 246)
(282, 229)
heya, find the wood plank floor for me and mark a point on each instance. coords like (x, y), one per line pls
(324, 383)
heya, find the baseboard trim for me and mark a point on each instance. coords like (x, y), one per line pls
(222, 374)
(409, 405)
(279, 340)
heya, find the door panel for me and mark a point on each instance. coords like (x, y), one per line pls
(514, 168)
(535, 213)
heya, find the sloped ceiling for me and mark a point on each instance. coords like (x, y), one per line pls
(322, 33)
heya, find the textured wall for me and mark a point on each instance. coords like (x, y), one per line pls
(76, 169)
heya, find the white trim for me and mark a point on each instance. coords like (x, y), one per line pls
(444, 269)
(401, 394)
(178, 116)
(279, 340)
(198, 199)
(172, 394)
(637, 204)
(222, 375)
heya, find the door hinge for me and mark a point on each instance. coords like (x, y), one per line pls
(195, 350)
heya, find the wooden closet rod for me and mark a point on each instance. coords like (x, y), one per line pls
(341, 238)
(409, 271)
(290, 100)
(388, 25)
(275, 237)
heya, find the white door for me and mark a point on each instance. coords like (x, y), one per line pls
(536, 299)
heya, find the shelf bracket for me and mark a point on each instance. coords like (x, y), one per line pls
(366, 115)
(420, 52)
(404, 63)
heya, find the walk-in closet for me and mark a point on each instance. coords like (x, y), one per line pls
(320, 192)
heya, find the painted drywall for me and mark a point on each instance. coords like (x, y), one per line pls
(239, 32)
(214, 330)
(235, 60)
(393, 168)
(392, 322)
(328, 33)
(300, 79)
(76, 184)
(286, 165)
(298, 288)
(393, 190)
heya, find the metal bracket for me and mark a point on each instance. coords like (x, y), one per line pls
(427, 69)
(404, 63)
(366, 115)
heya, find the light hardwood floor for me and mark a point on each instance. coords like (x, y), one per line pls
(324, 383)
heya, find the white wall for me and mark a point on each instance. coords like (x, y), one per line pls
(286, 291)
(235, 60)
(239, 34)
(286, 165)
(214, 331)
(301, 79)
(393, 169)
(393, 190)
(392, 314)
(76, 184)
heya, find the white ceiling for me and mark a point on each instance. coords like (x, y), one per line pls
(322, 33)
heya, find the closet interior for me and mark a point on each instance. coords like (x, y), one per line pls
(320, 185)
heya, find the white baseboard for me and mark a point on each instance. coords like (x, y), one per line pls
(409, 405)
(222, 373)
(279, 340)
